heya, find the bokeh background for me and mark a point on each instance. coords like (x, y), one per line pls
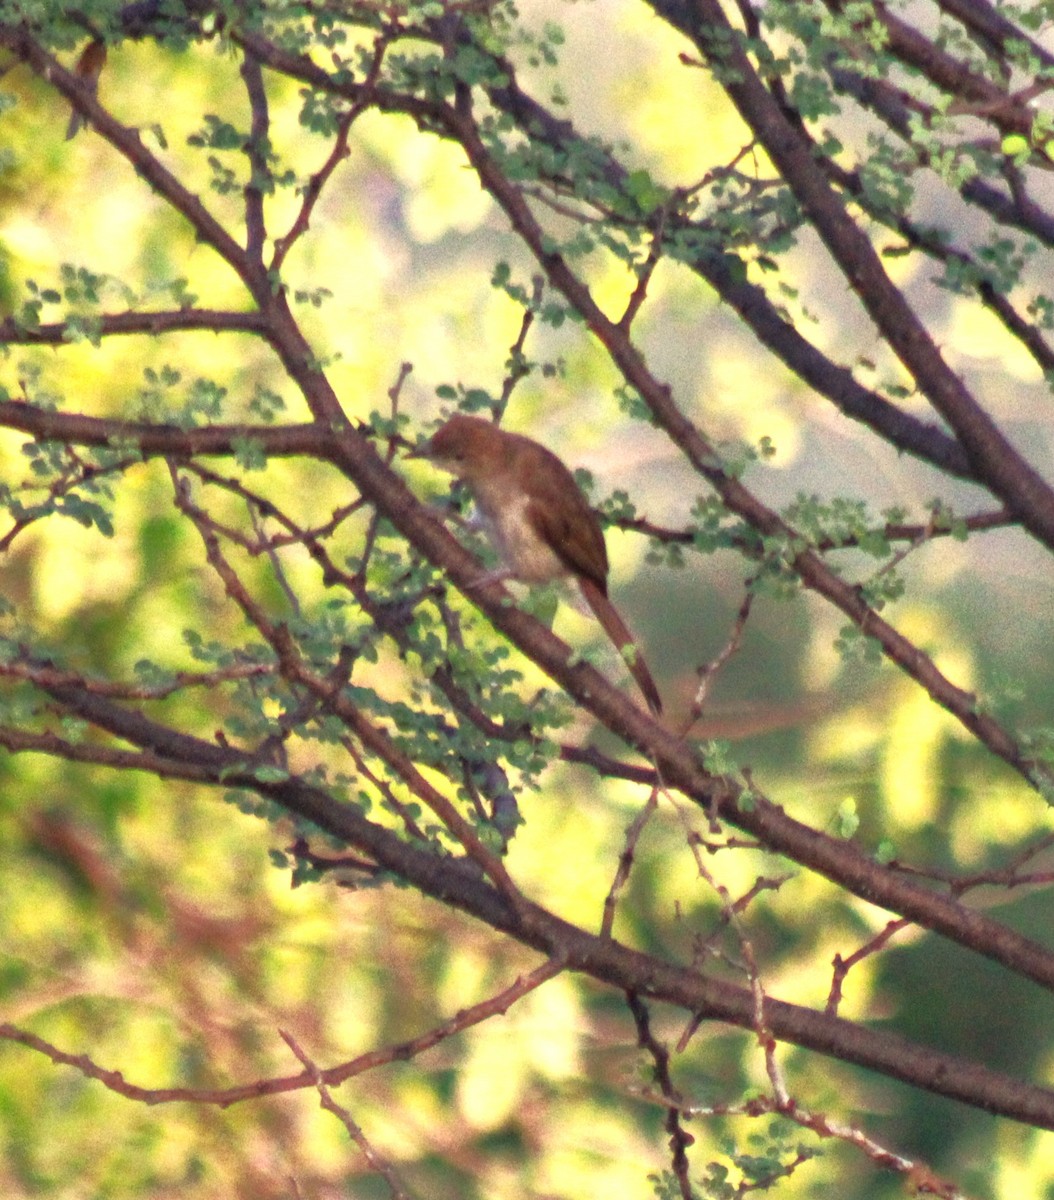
(145, 924)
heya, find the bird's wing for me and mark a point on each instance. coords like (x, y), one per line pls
(566, 523)
(560, 515)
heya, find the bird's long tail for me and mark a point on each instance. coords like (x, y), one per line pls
(616, 629)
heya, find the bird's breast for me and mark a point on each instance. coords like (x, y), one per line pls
(522, 549)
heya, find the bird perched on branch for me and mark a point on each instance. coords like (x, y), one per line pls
(539, 521)
(88, 69)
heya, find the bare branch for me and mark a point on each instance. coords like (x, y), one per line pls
(377, 1162)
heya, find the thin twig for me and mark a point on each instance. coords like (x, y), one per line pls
(496, 1005)
(708, 672)
(842, 966)
(680, 1138)
(625, 862)
(377, 1161)
(339, 151)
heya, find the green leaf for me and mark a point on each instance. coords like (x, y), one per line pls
(269, 773)
(646, 193)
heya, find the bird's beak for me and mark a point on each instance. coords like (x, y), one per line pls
(421, 450)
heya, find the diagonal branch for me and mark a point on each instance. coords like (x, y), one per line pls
(333, 1076)
(703, 455)
(995, 460)
(127, 142)
(457, 882)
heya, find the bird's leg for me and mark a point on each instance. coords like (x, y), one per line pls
(498, 575)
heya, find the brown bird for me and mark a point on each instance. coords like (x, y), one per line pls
(537, 518)
(88, 69)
